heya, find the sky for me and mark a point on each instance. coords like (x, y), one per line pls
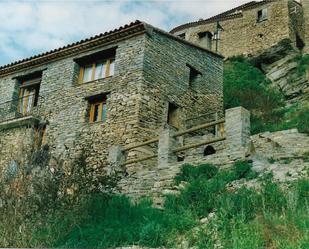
(30, 27)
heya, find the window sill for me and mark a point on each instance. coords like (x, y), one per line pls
(96, 123)
(94, 81)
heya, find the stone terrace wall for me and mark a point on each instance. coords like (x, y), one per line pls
(244, 35)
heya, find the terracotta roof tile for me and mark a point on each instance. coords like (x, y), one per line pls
(233, 13)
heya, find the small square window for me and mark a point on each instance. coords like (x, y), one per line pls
(182, 36)
(98, 109)
(193, 75)
(262, 15)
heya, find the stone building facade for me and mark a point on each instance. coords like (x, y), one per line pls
(118, 88)
(251, 28)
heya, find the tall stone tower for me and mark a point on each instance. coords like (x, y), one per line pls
(305, 4)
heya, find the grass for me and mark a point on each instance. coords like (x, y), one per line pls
(246, 85)
(243, 218)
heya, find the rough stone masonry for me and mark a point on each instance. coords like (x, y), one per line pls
(115, 89)
(251, 28)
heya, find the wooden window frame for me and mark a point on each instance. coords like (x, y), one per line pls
(25, 86)
(94, 64)
(101, 103)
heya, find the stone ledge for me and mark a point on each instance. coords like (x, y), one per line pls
(18, 122)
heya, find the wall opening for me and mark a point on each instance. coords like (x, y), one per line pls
(299, 42)
(262, 15)
(173, 115)
(193, 75)
(209, 150)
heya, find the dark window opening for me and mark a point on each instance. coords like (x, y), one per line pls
(299, 42)
(182, 36)
(209, 150)
(173, 115)
(180, 158)
(193, 75)
(262, 15)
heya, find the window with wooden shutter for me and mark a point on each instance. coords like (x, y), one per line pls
(97, 66)
(98, 109)
(28, 94)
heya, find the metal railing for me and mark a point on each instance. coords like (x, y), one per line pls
(21, 107)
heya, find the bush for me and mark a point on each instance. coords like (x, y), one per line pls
(274, 198)
(189, 172)
(242, 169)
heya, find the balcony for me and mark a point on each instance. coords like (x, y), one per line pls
(20, 111)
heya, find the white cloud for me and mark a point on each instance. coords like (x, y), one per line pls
(30, 27)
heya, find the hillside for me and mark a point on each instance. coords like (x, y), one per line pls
(262, 202)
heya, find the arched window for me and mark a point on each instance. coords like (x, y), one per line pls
(209, 150)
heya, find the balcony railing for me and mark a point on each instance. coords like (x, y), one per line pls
(21, 107)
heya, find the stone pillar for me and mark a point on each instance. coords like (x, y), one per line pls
(166, 144)
(305, 4)
(116, 157)
(237, 129)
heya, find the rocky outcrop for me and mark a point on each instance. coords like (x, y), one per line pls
(285, 154)
(280, 64)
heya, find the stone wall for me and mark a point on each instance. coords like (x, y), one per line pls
(150, 71)
(243, 35)
(305, 4)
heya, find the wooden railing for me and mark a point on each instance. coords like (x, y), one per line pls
(177, 134)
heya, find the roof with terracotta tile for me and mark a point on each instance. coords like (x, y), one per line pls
(133, 28)
(230, 14)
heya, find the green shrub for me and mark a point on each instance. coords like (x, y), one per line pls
(242, 169)
(244, 204)
(189, 172)
(274, 198)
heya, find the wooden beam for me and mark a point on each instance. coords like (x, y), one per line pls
(190, 146)
(153, 140)
(139, 159)
(199, 127)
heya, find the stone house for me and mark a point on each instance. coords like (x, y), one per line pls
(117, 88)
(251, 28)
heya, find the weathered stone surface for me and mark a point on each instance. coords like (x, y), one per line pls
(151, 70)
(243, 35)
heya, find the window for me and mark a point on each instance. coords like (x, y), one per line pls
(262, 15)
(173, 115)
(193, 75)
(96, 66)
(97, 70)
(182, 36)
(28, 94)
(98, 109)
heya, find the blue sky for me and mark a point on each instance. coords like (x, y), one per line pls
(31, 27)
